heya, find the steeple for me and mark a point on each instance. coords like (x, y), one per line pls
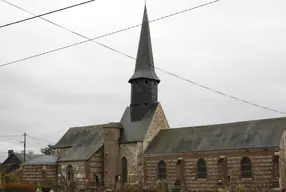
(144, 62)
(144, 82)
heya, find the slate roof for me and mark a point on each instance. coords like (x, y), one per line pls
(264, 133)
(144, 67)
(42, 160)
(135, 131)
(84, 142)
(29, 156)
(20, 156)
(87, 140)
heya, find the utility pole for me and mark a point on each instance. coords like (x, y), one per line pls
(25, 141)
(25, 145)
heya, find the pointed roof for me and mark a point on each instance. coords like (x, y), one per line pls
(144, 63)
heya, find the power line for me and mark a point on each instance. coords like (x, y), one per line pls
(221, 93)
(48, 13)
(160, 69)
(41, 139)
(11, 135)
(35, 141)
(69, 30)
(9, 138)
(106, 35)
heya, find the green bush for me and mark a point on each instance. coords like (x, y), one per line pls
(240, 188)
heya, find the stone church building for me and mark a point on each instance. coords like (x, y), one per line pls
(141, 148)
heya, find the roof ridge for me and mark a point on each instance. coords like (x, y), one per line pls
(238, 123)
(86, 126)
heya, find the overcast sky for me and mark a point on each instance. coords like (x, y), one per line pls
(234, 46)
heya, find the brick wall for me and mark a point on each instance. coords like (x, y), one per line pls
(95, 166)
(262, 169)
(111, 153)
(282, 161)
(44, 174)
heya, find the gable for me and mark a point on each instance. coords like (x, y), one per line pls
(84, 142)
(159, 121)
(265, 133)
(135, 131)
(13, 159)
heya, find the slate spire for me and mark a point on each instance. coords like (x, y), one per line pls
(144, 62)
(144, 82)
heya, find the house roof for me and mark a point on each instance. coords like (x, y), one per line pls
(265, 133)
(29, 156)
(84, 142)
(20, 156)
(42, 160)
(135, 131)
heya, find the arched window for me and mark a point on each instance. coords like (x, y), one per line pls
(70, 173)
(124, 169)
(161, 170)
(201, 169)
(246, 168)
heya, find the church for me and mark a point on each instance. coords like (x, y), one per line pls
(141, 148)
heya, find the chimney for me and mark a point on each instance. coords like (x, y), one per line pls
(10, 152)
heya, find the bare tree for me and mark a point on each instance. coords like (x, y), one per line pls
(91, 183)
(67, 179)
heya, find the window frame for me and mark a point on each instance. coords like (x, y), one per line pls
(161, 170)
(201, 174)
(246, 168)
(70, 173)
(124, 169)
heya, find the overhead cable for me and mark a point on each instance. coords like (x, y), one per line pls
(43, 14)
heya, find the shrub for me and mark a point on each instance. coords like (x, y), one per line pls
(240, 188)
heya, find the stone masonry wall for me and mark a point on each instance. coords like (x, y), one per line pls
(159, 122)
(133, 153)
(261, 160)
(79, 169)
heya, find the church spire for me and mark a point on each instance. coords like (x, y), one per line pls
(144, 82)
(144, 63)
